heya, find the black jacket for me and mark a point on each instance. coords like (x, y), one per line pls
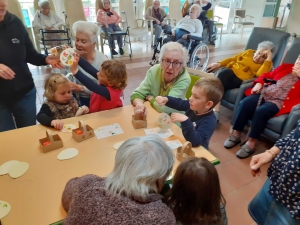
(16, 50)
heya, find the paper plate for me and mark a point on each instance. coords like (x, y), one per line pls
(5, 166)
(117, 145)
(4, 208)
(164, 121)
(67, 154)
(18, 169)
(66, 57)
(68, 128)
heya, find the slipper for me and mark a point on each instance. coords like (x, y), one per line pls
(232, 141)
(244, 152)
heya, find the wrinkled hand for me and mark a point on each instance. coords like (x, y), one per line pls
(161, 100)
(269, 54)
(257, 161)
(157, 21)
(296, 70)
(163, 23)
(57, 124)
(257, 88)
(6, 73)
(212, 67)
(74, 67)
(116, 24)
(86, 110)
(140, 109)
(178, 117)
(149, 97)
(76, 87)
(184, 36)
(53, 61)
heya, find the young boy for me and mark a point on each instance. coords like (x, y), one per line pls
(199, 121)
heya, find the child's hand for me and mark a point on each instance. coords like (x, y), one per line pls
(57, 124)
(178, 117)
(161, 100)
(74, 67)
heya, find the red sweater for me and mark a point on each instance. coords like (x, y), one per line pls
(293, 97)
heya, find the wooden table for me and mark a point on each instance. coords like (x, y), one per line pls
(35, 197)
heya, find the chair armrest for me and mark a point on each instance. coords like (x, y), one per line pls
(248, 81)
(218, 18)
(143, 21)
(292, 121)
(251, 17)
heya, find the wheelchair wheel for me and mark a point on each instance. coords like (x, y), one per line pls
(199, 58)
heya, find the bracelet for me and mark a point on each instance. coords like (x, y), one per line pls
(272, 153)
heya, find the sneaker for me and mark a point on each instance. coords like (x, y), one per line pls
(121, 51)
(114, 52)
(212, 43)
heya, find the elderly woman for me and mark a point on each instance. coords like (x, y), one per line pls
(277, 99)
(188, 25)
(167, 78)
(110, 20)
(130, 194)
(17, 90)
(278, 201)
(85, 42)
(243, 66)
(47, 20)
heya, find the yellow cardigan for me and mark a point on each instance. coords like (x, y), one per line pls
(244, 67)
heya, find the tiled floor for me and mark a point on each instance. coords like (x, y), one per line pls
(238, 186)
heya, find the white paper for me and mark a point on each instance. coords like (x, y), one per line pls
(67, 154)
(18, 169)
(159, 132)
(174, 144)
(4, 208)
(108, 131)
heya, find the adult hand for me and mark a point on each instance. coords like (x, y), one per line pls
(53, 61)
(173, 33)
(57, 124)
(77, 87)
(161, 100)
(157, 21)
(257, 161)
(162, 23)
(296, 70)
(6, 73)
(269, 54)
(149, 97)
(116, 24)
(184, 36)
(74, 67)
(212, 67)
(140, 109)
(178, 117)
(257, 88)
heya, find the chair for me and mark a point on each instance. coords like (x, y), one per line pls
(216, 19)
(175, 13)
(135, 29)
(279, 38)
(239, 19)
(103, 37)
(280, 126)
(148, 3)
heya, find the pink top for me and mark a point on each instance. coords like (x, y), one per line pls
(114, 18)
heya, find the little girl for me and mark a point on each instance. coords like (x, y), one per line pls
(60, 103)
(112, 79)
(196, 197)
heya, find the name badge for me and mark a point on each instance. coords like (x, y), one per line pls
(15, 41)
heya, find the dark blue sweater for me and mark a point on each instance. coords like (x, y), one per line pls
(198, 129)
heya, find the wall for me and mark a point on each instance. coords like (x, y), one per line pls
(294, 18)
(256, 9)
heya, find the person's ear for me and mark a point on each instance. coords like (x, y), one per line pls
(160, 184)
(209, 104)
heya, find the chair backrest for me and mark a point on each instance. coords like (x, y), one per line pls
(210, 14)
(278, 37)
(240, 13)
(36, 5)
(293, 52)
(193, 81)
(148, 3)
(74, 13)
(185, 8)
(128, 8)
(174, 10)
(98, 5)
(14, 7)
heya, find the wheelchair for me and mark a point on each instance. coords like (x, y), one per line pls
(198, 53)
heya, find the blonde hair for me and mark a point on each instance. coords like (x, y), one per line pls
(51, 83)
(116, 73)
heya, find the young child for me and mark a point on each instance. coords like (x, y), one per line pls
(196, 197)
(112, 79)
(199, 121)
(60, 103)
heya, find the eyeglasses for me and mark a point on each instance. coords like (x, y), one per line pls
(167, 63)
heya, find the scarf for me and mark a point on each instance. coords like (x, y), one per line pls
(63, 111)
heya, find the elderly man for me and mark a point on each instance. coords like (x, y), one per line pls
(157, 14)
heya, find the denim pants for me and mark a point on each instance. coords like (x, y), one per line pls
(159, 28)
(266, 211)
(18, 113)
(111, 28)
(260, 116)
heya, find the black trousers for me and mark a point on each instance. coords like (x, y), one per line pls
(229, 79)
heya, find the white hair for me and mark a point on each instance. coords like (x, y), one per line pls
(199, 9)
(139, 163)
(170, 46)
(44, 4)
(89, 28)
(266, 45)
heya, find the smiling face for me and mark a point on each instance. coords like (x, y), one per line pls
(198, 100)
(3, 5)
(296, 67)
(260, 56)
(63, 93)
(194, 12)
(106, 4)
(170, 72)
(84, 43)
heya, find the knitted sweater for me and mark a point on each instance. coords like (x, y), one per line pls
(87, 201)
(152, 83)
(244, 67)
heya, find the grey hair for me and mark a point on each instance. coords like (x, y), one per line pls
(44, 4)
(266, 45)
(89, 28)
(199, 9)
(139, 163)
(170, 46)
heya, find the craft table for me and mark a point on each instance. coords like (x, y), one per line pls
(35, 197)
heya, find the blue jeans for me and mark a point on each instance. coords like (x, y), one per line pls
(159, 28)
(266, 211)
(111, 28)
(260, 116)
(18, 113)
